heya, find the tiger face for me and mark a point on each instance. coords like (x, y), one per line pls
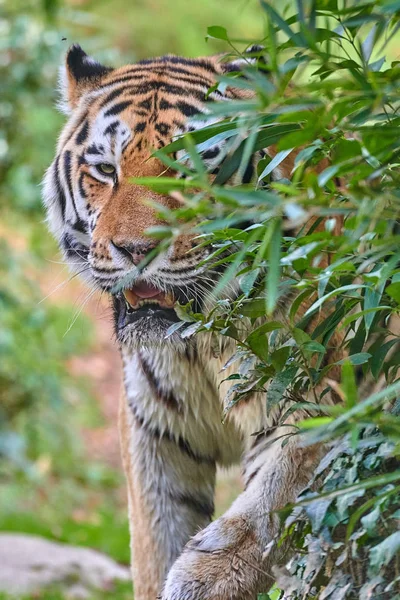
(117, 117)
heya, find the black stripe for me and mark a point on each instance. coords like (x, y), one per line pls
(190, 78)
(139, 127)
(165, 105)
(93, 149)
(212, 153)
(80, 226)
(165, 69)
(112, 95)
(249, 172)
(178, 271)
(103, 270)
(141, 113)
(146, 104)
(111, 129)
(82, 120)
(250, 478)
(117, 108)
(82, 190)
(187, 109)
(83, 132)
(122, 89)
(145, 86)
(166, 397)
(200, 504)
(162, 128)
(60, 192)
(68, 177)
(180, 442)
(187, 62)
(72, 248)
(149, 86)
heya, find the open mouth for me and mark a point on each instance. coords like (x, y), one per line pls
(144, 300)
(144, 294)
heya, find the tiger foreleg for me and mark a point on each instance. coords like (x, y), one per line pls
(228, 559)
(170, 497)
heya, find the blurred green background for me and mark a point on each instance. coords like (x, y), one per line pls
(60, 473)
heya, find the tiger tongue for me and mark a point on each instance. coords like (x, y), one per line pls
(145, 290)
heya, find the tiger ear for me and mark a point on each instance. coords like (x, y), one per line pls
(79, 74)
(255, 55)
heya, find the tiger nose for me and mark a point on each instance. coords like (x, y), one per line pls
(135, 252)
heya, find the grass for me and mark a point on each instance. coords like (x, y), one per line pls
(104, 530)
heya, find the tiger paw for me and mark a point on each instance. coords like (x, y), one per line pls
(222, 561)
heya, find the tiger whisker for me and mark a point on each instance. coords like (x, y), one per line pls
(79, 311)
(62, 284)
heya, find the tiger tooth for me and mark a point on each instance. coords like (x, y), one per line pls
(169, 299)
(131, 298)
(162, 299)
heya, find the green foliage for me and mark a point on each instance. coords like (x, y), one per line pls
(34, 384)
(47, 485)
(29, 65)
(41, 453)
(102, 527)
(345, 539)
(327, 94)
(321, 258)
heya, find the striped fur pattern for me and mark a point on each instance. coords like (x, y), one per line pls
(172, 436)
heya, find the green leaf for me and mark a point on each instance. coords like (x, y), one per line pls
(266, 137)
(279, 357)
(274, 163)
(393, 290)
(314, 347)
(278, 386)
(247, 281)
(258, 343)
(379, 355)
(217, 32)
(203, 135)
(304, 295)
(300, 337)
(174, 327)
(254, 308)
(327, 175)
(316, 512)
(349, 384)
(274, 269)
(282, 25)
(384, 552)
(339, 290)
(372, 298)
(356, 359)
(258, 340)
(369, 521)
(167, 184)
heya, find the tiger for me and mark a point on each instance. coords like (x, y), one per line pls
(172, 434)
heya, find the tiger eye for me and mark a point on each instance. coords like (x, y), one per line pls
(106, 168)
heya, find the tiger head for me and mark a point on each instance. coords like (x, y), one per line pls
(117, 117)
